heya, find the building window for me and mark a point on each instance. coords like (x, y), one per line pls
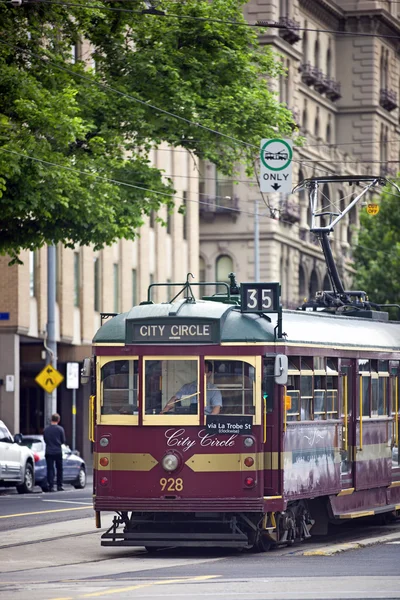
(74, 53)
(305, 45)
(223, 188)
(316, 125)
(152, 219)
(134, 287)
(184, 216)
(77, 279)
(96, 265)
(32, 274)
(224, 266)
(329, 63)
(304, 120)
(116, 287)
(316, 54)
(202, 276)
(169, 221)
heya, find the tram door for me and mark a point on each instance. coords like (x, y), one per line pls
(271, 397)
(346, 432)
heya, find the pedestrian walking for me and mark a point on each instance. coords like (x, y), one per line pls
(54, 437)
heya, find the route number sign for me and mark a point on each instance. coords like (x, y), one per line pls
(260, 297)
(276, 166)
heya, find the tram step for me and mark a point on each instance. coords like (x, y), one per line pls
(223, 540)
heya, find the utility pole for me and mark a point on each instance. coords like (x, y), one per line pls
(256, 243)
(50, 342)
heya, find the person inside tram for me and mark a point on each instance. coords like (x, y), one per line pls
(189, 391)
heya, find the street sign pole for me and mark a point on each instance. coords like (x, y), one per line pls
(51, 345)
(73, 384)
(74, 419)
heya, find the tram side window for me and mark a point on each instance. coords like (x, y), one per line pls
(236, 381)
(171, 387)
(119, 387)
(394, 404)
(293, 406)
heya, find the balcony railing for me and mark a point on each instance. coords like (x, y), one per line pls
(334, 91)
(321, 83)
(308, 73)
(324, 85)
(289, 212)
(388, 99)
(210, 207)
(289, 30)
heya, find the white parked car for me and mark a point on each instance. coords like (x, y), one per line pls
(16, 463)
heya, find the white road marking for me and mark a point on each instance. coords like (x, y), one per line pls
(70, 502)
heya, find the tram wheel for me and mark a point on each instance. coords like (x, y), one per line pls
(263, 543)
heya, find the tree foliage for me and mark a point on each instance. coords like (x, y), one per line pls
(377, 256)
(65, 134)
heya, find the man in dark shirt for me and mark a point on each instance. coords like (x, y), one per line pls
(54, 437)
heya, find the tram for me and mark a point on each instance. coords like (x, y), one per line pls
(229, 422)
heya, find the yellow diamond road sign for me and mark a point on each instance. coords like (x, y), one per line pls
(49, 378)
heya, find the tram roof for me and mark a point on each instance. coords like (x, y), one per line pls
(301, 327)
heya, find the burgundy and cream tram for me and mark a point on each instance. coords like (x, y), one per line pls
(227, 422)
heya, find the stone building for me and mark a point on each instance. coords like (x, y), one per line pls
(342, 89)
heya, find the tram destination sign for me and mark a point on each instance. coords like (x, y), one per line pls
(229, 425)
(260, 297)
(180, 331)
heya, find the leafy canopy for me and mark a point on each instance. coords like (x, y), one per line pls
(80, 134)
(377, 256)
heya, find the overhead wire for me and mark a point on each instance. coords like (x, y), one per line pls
(259, 24)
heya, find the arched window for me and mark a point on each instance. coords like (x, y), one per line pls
(302, 285)
(328, 133)
(224, 266)
(329, 63)
(313, 289)
(316, 126)
(305, 45)
(316, 53)
(202, 276)
(304, 119)
(327, 283)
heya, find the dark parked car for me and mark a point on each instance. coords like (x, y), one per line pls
(74, 468)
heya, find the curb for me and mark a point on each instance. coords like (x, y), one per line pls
(335, 549)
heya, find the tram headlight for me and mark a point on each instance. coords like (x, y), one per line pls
(248, 442)
(104, 442)
(170, 462)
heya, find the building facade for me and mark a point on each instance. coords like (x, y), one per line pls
(88, 283)
(342, 88)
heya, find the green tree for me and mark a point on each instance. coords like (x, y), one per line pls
(60, 112)
(377, 255)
